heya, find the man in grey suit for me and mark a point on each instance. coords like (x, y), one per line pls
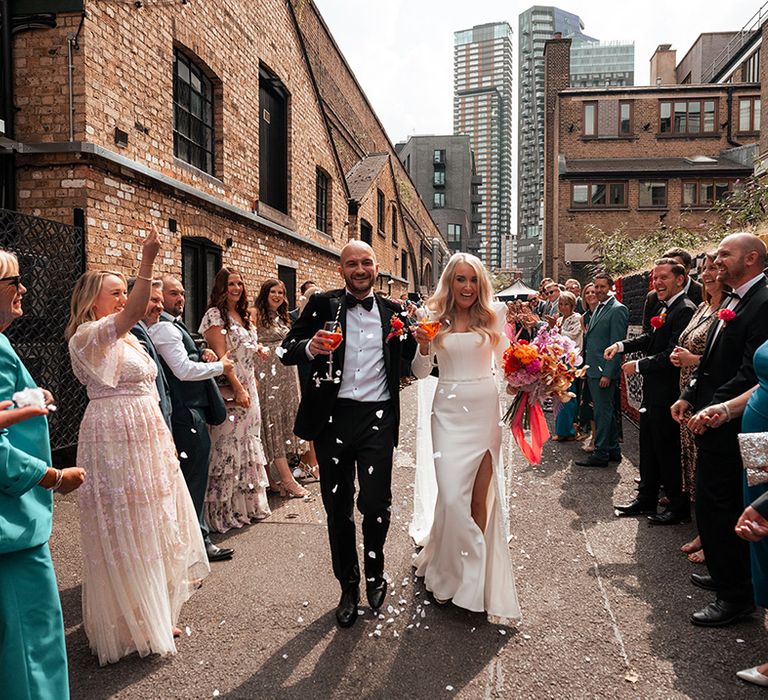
(607, 326)
(140, 330)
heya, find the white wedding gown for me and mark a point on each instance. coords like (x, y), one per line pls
(459, 561)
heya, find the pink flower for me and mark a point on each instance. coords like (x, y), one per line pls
(657, 321)
(726, 315)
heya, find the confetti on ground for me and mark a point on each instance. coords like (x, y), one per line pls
(632, 677)
(188, 631)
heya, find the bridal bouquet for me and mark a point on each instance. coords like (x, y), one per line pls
(546, 366)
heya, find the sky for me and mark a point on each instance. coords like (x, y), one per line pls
(401, 51)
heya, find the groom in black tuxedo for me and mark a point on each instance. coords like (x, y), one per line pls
(724, 372)
(353, 419)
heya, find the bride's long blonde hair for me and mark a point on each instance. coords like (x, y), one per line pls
(482, 317)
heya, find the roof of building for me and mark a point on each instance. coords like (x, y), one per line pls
(361, 176)
(574, 167)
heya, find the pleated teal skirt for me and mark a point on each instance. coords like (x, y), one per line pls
(33, 656)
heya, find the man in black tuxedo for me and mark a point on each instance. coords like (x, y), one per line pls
(141, 331)
(353, 419)
(724, 372)
(659, 433)
(693, 290)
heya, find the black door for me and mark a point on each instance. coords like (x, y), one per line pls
(366, 232)
(273, 144)
(200, 261)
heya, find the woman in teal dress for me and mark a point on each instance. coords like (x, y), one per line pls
(33, 661)
(753, 404)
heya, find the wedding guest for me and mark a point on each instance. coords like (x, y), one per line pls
(693, 289)
(278, 389)
(194, 396)
(154, 308)
(724, 372)
(586, 412)
(305, 287)
(574, 287)
(543, 298)
(550, 311)
(143, 555)
(752, 525)
(659, 434)
(608, 325)
(237, 485)
(569, 324)
(687, 356)
(33, 656)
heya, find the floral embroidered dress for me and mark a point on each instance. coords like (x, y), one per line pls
(693, 339)
(237, 480)
(143, 554)
(278, 396)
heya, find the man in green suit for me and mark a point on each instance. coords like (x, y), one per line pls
(608, 325)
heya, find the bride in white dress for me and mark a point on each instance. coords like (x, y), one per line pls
(465, 556)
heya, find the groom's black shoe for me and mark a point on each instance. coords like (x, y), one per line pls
(669, 517)
(346, 612)
(636, 507)
(592, 462)
(720, 613)
(218, 553)
(376, 592)
(703, 581)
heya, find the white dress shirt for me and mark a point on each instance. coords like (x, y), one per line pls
(733, 301)
(364, 377)
(168, 342)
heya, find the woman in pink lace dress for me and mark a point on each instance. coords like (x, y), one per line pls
(143, 554)
(237, 479)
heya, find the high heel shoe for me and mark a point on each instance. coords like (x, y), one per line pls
(309, 472)
(276, 488)
(752, 675)
(293, 490)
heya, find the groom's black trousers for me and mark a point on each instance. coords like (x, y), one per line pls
(357, 440)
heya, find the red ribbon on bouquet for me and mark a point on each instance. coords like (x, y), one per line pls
(539, 430)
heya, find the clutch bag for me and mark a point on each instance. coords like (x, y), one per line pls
(754, 455)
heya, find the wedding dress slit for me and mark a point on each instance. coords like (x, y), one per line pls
(460, 561)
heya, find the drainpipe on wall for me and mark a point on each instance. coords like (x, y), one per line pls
(729, 133)
(71, 38)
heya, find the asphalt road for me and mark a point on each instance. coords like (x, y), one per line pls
(605, 608)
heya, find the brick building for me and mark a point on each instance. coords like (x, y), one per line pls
(236, 127)
(638, 157)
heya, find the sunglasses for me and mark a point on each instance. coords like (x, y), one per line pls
(550, 292)
(15, 280)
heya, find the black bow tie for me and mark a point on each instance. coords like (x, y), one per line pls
(353, 301)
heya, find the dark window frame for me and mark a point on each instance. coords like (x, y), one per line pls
(274, 142)
(672, 131)
(753, 100)
(381, 213)
(698, 183)
(586, 134)
(664, 205)
(631, 120)
(366, 232)
(186, 139)
(404, 265)
(438, 156)
(201, 258)
(394, 225)
(438, 178)
(322, 194)
(606, 184)
(438, 200)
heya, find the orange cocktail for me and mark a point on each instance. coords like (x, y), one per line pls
(333, 339)
(430, 327)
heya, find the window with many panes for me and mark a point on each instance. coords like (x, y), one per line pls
(598, 195)
(200, 261)
(439, 200)
(193, 129)
(749, 114)
(687, 117)
(380, 211)
(625, 118)
(702, 193)
(454, 233)
(321, 200)
(653, 194)
(590, 119)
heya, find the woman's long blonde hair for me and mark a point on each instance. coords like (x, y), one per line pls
(86, 290)
(9, 264)
(482, 317)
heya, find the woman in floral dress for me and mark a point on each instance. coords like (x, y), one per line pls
(237, 480)
(687, 356)
(278, 387)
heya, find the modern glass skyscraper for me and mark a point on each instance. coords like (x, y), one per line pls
(593, 63)
(482, 108)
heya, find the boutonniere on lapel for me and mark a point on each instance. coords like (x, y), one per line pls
(397, 328)
(657, 322)
(726, 315)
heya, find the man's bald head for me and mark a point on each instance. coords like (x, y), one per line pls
(358, 268)
(173, 295)
(740, 257)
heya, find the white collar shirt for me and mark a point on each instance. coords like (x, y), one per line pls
(364, 377)
(733, 301)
